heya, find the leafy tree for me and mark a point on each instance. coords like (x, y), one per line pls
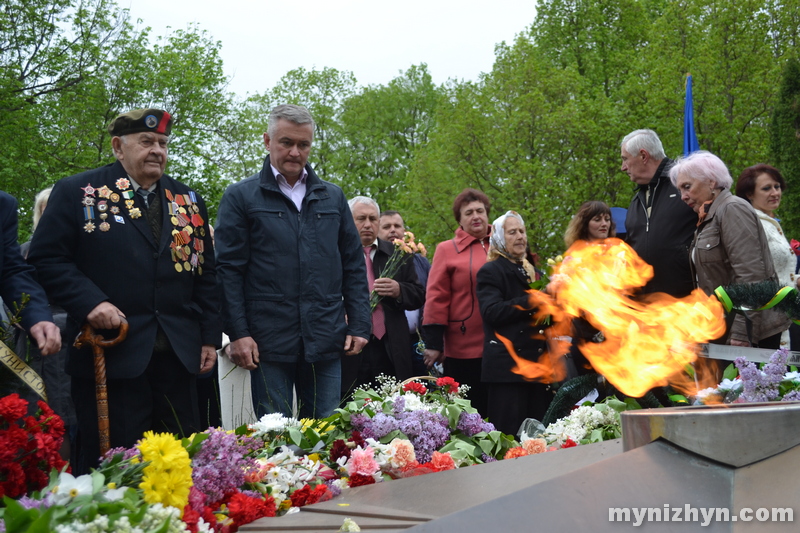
(383, 126)
(69, 67)
(785, 144)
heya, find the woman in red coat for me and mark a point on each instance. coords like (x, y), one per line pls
(453, 325)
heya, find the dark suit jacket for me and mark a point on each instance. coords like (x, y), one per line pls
(505, 308)
(16, 276)
(412, 296)
(128, 268)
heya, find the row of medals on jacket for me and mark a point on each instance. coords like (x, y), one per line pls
(188, 225)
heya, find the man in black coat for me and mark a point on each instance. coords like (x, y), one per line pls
(388, 351)
(659, 225)
(393, 227)
(127, 242)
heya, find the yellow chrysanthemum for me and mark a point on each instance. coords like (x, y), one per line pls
(314, 457)
(285, 504)
(162, 450)
(168, 477)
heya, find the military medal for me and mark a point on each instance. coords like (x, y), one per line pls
(105, 226)
(114, 197)
(123, 183)
(88, 190)
(102, 206)
(187, 245)
(114, 210)
(87, 200)
(88, 227)
(104, 192)
(134, 212)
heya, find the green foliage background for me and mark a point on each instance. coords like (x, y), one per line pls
(539, 133)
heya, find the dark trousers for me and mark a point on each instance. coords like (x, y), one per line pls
(162, 399)
(511, 403)
(363, 368)
(468, 372)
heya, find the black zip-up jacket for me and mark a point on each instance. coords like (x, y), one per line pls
(663, 238)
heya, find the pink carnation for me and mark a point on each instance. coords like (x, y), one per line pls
(362, 462)
(402, 453)
(534, 446)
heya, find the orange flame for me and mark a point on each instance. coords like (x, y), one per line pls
(648, 340)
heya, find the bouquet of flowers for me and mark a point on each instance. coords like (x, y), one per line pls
(591, 422)
(29, 446)
(403, 249)
(747, 382)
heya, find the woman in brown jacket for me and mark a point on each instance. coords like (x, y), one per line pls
(729, 246)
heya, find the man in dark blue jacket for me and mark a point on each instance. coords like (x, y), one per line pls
(293, 275)
(128, 242)
(16, 279)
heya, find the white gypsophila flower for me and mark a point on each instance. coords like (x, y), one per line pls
(70, 487)
(157, 515)
(273, 422)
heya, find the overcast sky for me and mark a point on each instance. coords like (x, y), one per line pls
(373, 39)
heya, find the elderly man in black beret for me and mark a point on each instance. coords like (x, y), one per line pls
(127, 242)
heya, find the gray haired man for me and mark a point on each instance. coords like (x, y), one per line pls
(659, 225)
(293, 275)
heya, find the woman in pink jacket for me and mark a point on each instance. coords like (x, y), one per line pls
(453, 325)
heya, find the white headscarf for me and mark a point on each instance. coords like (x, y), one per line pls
(498, 237)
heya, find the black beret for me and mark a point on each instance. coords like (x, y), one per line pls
(138, 120)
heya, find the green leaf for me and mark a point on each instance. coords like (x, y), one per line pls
(295, 436)
(678, 398)
(632, 404)
(730, 372)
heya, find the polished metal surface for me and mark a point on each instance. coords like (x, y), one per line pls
(733, 434)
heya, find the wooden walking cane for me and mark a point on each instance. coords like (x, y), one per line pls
(99, 343)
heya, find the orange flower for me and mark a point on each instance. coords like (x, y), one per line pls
(422, 250)
(515, 452)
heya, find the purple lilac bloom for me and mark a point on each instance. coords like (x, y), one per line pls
(29, 503)
(335, 489)
(488, 458)
(221, 464)
(471, 424)
(762, 385)
(427, 431)
(380, 426)
(398, 406)
(359, 421)
(792, 396)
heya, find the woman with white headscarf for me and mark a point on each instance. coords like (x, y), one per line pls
(503, 285)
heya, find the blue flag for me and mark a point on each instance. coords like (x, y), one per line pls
(690, 143)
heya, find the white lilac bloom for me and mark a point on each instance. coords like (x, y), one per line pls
(730, 385)
(792, 376)
(703, 394)
(414, 403)
(70, 487)
(273, 422)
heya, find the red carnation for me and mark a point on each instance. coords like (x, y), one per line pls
(358, 440)
(243, 509)
(357, 480)
(12, 407)
(569, 443)
(448, 384)
(414, 386)
(339, 449)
